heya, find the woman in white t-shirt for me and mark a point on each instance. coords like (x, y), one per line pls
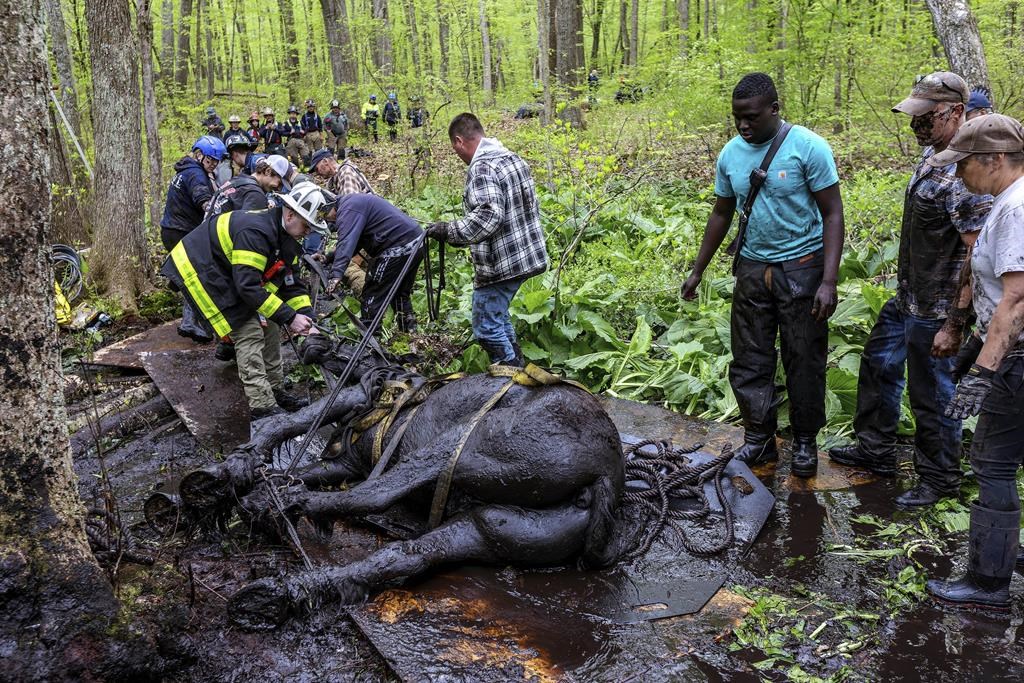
(989, 153)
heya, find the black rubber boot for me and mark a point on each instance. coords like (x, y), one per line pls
(193, 325)
(225, 351)
(920, 496)
(758, 448)
(805, 455)
(993, 553)
(851, 456)
(1020, 561)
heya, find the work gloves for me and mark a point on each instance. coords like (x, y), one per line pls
(439, 231)
(965, 358)
(971, 393)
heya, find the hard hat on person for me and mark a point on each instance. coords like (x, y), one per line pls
(392, 96)
(335, 103)
(293, 109)
(307, 200)
(210, 111)
(310, 102)
(237, 140)
(234, 119)
(255, 116)
(211, 146)
(268, 112)
(278, 164)
(373, 98)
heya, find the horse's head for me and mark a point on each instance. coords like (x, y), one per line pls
(333, 355)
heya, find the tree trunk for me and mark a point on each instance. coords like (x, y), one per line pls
(62, 58)
(414, 39)
(623, 43)
(184, 43)
(244, 47)
(167, 39)
(684, 26)
(485, 37)
(329, 8)
(442, 39)
(634, 29)
(349, 67)
(119, 263)
(780, 45)
(152, 119)
(382, 53)
(958, 32)
(211, 61)
(290, 73)
(595, 32)
(568, 57)
(56, 602)
(544, 50)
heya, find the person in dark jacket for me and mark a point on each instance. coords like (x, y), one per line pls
(190, 190)
(253, 131)
(250, 192)
(240, 149)
(270, 134)
(392, 115)
(187, 198)
(336, 125)
(312, 127)
(213, 123)
(240, 269)
(390, 237)
(292, 129)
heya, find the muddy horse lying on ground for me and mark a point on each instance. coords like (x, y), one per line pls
(503, 470)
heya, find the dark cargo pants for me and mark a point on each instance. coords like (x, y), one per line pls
(901, 341)
(774, 300)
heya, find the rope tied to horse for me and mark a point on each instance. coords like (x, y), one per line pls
(668, 475)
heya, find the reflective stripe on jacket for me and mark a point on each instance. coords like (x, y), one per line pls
(221, 264)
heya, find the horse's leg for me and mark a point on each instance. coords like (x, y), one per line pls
(487, 535)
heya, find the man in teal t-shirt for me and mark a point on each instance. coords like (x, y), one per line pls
(785, 275)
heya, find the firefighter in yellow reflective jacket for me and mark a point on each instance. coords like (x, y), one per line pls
(240, 269)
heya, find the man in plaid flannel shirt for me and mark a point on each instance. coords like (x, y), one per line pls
(921, 328)
(502, 230)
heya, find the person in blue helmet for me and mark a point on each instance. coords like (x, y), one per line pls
(392, 115)
(188, 196)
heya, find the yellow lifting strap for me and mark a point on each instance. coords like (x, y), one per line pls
(530, 376)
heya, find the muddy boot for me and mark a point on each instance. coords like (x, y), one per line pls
(519, 359)
(805, 455)
(852, 456)
(758, 448)
(225, 351)
(920, 496)
(1020, 562)
(193, 325)
(993, 552)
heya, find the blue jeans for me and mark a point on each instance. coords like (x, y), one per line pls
(901, 340)
(492, 326)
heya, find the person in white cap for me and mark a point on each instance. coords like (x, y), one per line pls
(241, 271)
(250, 192)
(989, 155)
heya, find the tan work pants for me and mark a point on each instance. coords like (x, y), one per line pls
(258, 354)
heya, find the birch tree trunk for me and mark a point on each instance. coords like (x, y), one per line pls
(485, 37)
(958, 32)
(543, 58)
(62, 58)
(150, 116)
(56, 602)
(120, 259)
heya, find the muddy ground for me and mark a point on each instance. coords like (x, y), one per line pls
(804, 601)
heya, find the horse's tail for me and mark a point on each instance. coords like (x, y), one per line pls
(598, 548)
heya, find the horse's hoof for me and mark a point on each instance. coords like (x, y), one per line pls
(261, 606)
